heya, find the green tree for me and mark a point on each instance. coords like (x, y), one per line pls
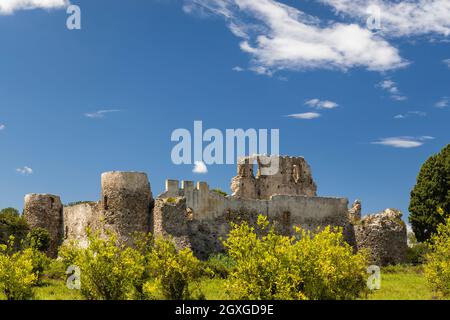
(432, 191)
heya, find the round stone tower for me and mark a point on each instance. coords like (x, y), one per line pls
(46, 211)
(127, 203)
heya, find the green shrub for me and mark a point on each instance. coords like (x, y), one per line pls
(219, 191)
(109, 270)
(220, 265)
(437, 268)
(39, 239)
(273, 266)
(171, 200)
(16, 273)
(55, 270)
(12, 224)
(174, 271)
(416, 254)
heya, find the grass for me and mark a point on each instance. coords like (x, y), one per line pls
(52, 289)
(397, 283)
(402, 283)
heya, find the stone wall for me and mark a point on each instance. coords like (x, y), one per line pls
(45, 211)
(199, 218)
(78, 218)
(384, 235)
(291, 177)
(205, 215)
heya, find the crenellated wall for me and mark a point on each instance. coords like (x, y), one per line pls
(208, 213)
(199, 218)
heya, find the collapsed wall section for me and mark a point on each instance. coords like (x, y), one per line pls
(384, 235)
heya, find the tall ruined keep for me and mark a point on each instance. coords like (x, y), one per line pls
(292, 176)
(197, 217)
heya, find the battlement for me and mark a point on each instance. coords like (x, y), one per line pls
(173, 188)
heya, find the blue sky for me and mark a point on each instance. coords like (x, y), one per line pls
(364, 108)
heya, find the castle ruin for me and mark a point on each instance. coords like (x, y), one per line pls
(199, 218)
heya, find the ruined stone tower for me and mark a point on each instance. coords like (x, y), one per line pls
(293, 177)
(46, 211)
(127, 203)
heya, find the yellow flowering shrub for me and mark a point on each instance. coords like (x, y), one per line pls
(305, 266)
(173, 271)
(108, 269)
(437, 267)
(16, 273)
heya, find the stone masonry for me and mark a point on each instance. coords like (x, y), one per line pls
(199, 218)
(384, 235)
(46, 211)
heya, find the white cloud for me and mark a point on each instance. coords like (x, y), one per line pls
(391, 87)
(99, 113)
(403, 142)
(447, 62)
(238, 69)
(2, 127)
(410, 114)
(25, 170)
(9, 6)
(321, 104)
(400, 18)
(280, 37)
(443, 102)
(305, 116)
(200, 167)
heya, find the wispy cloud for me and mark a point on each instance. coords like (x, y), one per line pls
(2, 127)
(443, 102)
(200, 167)
(410, 114)
(400, 18)
(9, 6)
(321, 104)
(447, 62)
(405, 142)
(391, 87)
(304, 116)
(281, 37)
(25, 170)
(238, 69)
(99, 113)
